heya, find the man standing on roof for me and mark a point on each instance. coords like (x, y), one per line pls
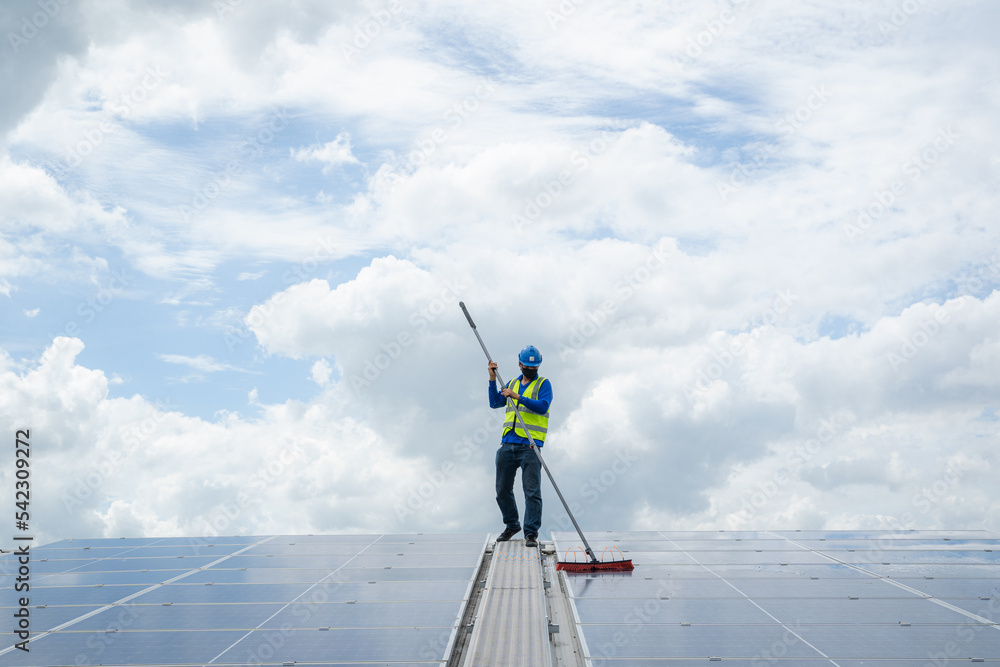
(533, 395)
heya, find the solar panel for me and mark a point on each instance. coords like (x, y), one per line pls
(789, 597)
(848, 598)
(335, 600)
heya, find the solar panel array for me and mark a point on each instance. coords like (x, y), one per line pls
(272, 600)
(790, 597)
(744, 598)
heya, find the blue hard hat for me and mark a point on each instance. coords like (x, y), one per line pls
(530, 356)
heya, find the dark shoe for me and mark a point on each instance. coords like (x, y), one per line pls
(507, 534)
(531, 540)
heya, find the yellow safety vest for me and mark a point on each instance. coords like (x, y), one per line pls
(537, 424)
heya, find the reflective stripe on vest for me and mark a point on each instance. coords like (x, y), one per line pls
(538, 425)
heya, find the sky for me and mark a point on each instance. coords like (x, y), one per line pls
(755, 242)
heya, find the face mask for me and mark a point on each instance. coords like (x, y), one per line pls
(530, 373)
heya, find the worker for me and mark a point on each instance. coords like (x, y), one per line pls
(533, 395)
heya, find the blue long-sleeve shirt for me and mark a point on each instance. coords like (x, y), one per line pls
(539, 406)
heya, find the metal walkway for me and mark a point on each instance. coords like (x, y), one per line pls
(512, 628)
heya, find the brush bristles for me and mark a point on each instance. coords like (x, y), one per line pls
(607, 566)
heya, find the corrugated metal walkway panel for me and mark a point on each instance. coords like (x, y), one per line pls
(512, 630)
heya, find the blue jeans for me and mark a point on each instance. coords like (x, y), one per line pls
(509, 458)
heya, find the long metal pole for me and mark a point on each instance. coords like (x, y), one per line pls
(537, 450)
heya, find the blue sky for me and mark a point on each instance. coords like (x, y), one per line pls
(755, 242)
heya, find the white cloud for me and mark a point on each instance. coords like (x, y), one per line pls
(321, 371)
(332, 153)
(333, 319)
(675, 228)
(636, 440)
(202, 362)
(669, 401)
(35, 211)
(122, 466)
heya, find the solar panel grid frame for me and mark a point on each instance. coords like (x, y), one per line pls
(133, 645)
(653, 591)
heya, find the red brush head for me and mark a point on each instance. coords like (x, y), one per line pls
(594, 565)
(606, 566)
